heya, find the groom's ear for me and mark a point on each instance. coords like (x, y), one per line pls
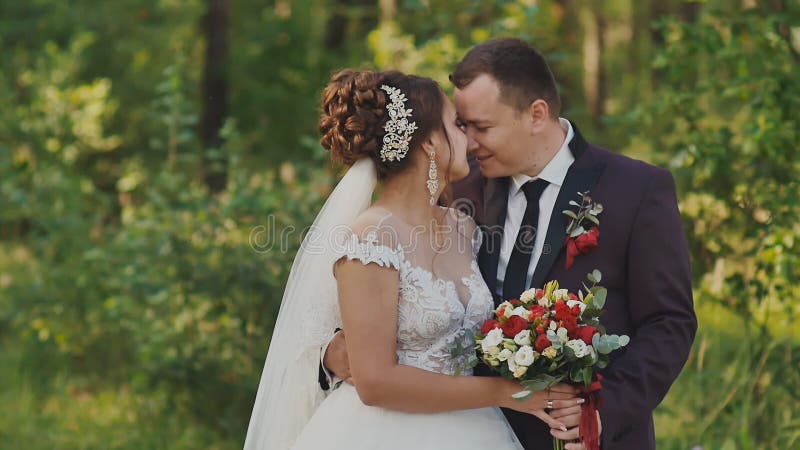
(538, 114)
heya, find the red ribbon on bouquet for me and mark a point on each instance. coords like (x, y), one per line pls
(589, 429)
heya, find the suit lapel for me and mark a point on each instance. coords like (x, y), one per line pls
(495, 199)
(581, 177)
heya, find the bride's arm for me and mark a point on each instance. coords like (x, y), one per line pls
(368, 296)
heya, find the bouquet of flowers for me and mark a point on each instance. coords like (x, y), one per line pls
(548, 336)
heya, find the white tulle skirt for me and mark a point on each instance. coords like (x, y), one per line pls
(343, 422)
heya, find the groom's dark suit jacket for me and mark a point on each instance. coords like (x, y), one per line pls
(644, 261)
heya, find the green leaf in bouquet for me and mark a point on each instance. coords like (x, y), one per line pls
(472, 361)
(587, 376)
(522, 395)
(597, 275)
(624, 340)
(576, 374)
(457, 350)
(602, 363)
(540, 382)
(600, 343)
(593, 219)
(590, 313)
(599, 296)
(570, 214)
(570, 354)
(591, 358)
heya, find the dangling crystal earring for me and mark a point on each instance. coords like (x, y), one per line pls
(433, 178)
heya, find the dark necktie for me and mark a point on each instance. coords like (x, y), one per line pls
(517, 268)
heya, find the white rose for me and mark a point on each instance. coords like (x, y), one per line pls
(592, 352)
(524, 356)
(561, 294)
(512, 366)
(522, 312)
(572, 303)
(492, 340)
(579, 347)
(545, 301)
(523, 337)
(504, 354)
(509, 309)
(520, 371)
(528, 296)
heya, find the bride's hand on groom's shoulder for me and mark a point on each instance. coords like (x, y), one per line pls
(336, 360)
(560, 396)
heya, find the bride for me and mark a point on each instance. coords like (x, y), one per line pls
(400, 275)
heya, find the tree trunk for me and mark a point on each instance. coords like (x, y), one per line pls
(388, 9)
(599, 104)
(639, 38)
(569, 73)
(215, 93)
(595, 84)
(657, 9)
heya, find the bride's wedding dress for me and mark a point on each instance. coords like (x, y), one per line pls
(436, 308)
(434, 315)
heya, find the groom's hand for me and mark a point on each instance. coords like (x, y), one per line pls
(569, 416)
(336, 360)
(573, 432)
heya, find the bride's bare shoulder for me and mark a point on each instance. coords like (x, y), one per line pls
(376, 224)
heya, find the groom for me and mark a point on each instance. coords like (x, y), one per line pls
(528, 164)
(531, 165)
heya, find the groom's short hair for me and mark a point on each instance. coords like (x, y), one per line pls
(519, 69)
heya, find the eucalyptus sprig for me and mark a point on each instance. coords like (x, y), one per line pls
(588, 210)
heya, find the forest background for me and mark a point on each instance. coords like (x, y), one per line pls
(142, 142)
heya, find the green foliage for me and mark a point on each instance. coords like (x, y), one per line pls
(725, 119)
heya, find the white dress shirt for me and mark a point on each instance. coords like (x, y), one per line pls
(554, 172)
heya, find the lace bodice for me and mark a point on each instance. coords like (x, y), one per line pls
(433, 313)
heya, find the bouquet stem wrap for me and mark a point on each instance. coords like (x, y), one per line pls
(589, 430)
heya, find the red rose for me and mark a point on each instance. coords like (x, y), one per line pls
(571, 325)
(585, 333)
(540, 330)
(573, 296)
(501, 312)
(489, 325)
(587, 242)
(514, 325)
(537, 311)
(562, 310)
(515, 302)
(581, 244)
(542, 343)
(539, 294)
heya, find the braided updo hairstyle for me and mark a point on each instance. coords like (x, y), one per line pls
(354, 113)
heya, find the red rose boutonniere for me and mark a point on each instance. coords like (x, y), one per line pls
(583, 230)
